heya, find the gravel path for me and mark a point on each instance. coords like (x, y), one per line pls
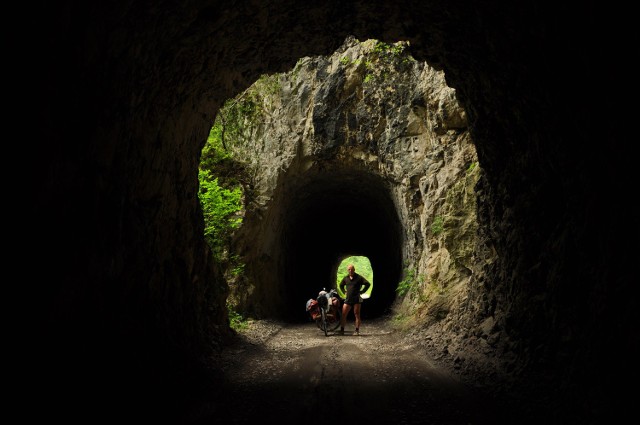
(287, 374)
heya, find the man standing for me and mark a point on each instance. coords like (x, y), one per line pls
(352, 285)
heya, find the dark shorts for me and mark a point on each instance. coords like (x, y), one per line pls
(353, 302)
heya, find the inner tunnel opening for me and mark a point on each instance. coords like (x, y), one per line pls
(331, 215)
(362, 266)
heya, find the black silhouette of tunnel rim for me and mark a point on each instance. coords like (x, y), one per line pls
(126, 102)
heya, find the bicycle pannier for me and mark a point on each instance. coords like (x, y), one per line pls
(313, 308)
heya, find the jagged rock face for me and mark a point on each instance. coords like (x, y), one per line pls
(357, 154)
(129, 96)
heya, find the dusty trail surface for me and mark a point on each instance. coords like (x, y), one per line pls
(282, 373)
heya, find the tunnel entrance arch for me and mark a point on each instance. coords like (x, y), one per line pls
(394, 120)
(331, 215)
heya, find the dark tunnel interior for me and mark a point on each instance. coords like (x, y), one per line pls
(129, 308)
(332, 215)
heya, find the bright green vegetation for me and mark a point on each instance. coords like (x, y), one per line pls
(408, 283)
(363, 267)
(236, 321)
(381, 60)
(385, 58)
(220, 196)
(221, 193)
(437, 226)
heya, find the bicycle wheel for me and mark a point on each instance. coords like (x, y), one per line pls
(324, 321)
(333, 321)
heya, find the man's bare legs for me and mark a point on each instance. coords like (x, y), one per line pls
(356, 312)
(346, 308)
(343, 320)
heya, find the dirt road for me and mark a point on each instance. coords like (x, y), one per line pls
(289, 374)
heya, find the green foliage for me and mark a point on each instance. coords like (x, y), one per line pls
(220, 190)
(220, 207)
(400, 321)
(237, 266)
(217, 160)
(385, 49)
(471, 167)
(296, 69)
(236, 321)
(220, 176)
(240, 114)
(346, 61)
(385, 58)
(363, 268)
(408, 283)
(381, 60)
(437, 226)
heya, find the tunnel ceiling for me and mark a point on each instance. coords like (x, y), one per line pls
(333, 214)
